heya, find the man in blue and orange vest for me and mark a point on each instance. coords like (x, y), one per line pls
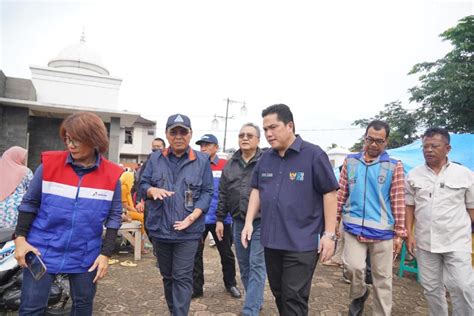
(371, 205)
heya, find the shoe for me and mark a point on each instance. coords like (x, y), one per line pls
(197, 294)
(345, 277)
(368, 278)
(357, 305)
(234, 292)
(128, 263)
(332, 263)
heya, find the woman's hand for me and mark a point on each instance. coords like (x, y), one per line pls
(22, 247)
(102, 266)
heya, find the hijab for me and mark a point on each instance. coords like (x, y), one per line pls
(12, 170)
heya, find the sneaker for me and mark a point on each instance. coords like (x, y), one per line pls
(356, 308)
(368, 277)
(332, 263)
(345, 277)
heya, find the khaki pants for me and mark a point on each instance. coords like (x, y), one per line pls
(451, 270)
(381, 256)
(337, 257)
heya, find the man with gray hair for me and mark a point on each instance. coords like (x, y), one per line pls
(234, 191)
(440, 196)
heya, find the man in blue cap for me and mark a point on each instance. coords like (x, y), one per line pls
(210, 146)
(178, 185)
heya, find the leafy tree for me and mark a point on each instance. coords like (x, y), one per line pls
(333, 145)
(403, 126)
(446, 89)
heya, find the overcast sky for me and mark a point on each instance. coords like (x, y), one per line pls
(331, 61)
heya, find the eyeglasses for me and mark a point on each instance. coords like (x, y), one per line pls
(69, 141)
(431, 146)
(248, 135)
(181, 132)
(369, 140)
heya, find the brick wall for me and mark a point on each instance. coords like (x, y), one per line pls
(44, 136)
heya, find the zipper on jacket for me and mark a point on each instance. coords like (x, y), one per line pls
(365, 197)
(73, 221)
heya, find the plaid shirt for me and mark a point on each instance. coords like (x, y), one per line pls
(397, 199)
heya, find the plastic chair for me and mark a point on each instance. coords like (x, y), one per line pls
(408, 265)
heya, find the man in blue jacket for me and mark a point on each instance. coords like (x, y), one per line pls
(178, 185)
(210, 146)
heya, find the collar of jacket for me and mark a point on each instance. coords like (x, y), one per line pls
(190, 151)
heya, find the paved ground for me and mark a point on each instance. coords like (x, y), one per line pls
(139, 291)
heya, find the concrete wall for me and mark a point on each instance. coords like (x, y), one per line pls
(44, 136)
(13, 127)
(3, 81)
(114, 137)
(21, 89)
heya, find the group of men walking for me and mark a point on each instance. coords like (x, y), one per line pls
(282, 208)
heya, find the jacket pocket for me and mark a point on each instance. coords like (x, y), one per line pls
(423, 190)
(91, 253)
(154, 210)
(454, 192)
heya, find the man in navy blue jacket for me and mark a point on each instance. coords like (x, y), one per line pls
(178, 185)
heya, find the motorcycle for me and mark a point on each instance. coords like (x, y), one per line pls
(11, 277)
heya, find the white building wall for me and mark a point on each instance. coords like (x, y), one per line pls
(62, 87)
(141, 141)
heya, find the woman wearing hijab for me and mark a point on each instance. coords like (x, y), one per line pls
(73, 194)
(127, 180)
(16, 178)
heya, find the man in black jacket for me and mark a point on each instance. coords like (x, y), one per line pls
(234, 191)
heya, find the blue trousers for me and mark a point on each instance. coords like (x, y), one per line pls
(252, 267)
(34, 294)
(176, 262)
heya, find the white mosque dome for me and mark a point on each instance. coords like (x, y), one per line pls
(79, 58)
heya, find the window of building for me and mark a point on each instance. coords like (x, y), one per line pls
(129, 135)
(151, 133)
(128, 159)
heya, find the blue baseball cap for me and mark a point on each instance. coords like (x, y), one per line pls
(208, 138)
(178, 120)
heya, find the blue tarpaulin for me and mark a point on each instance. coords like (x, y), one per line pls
(462, 151)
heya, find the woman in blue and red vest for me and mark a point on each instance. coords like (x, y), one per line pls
(72, 195)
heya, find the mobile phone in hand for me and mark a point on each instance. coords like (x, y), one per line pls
(35, 265)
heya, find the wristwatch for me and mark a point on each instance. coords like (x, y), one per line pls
(331, 236)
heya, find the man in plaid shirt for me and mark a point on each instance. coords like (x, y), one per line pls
(371, 204)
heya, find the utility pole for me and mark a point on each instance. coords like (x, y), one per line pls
(215, 123)
(225, 125)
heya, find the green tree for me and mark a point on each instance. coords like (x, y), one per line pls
(403, 125)
(446, 89)
(333, 145)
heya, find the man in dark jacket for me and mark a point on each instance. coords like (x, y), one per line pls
(178, 185)
(234, 191)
